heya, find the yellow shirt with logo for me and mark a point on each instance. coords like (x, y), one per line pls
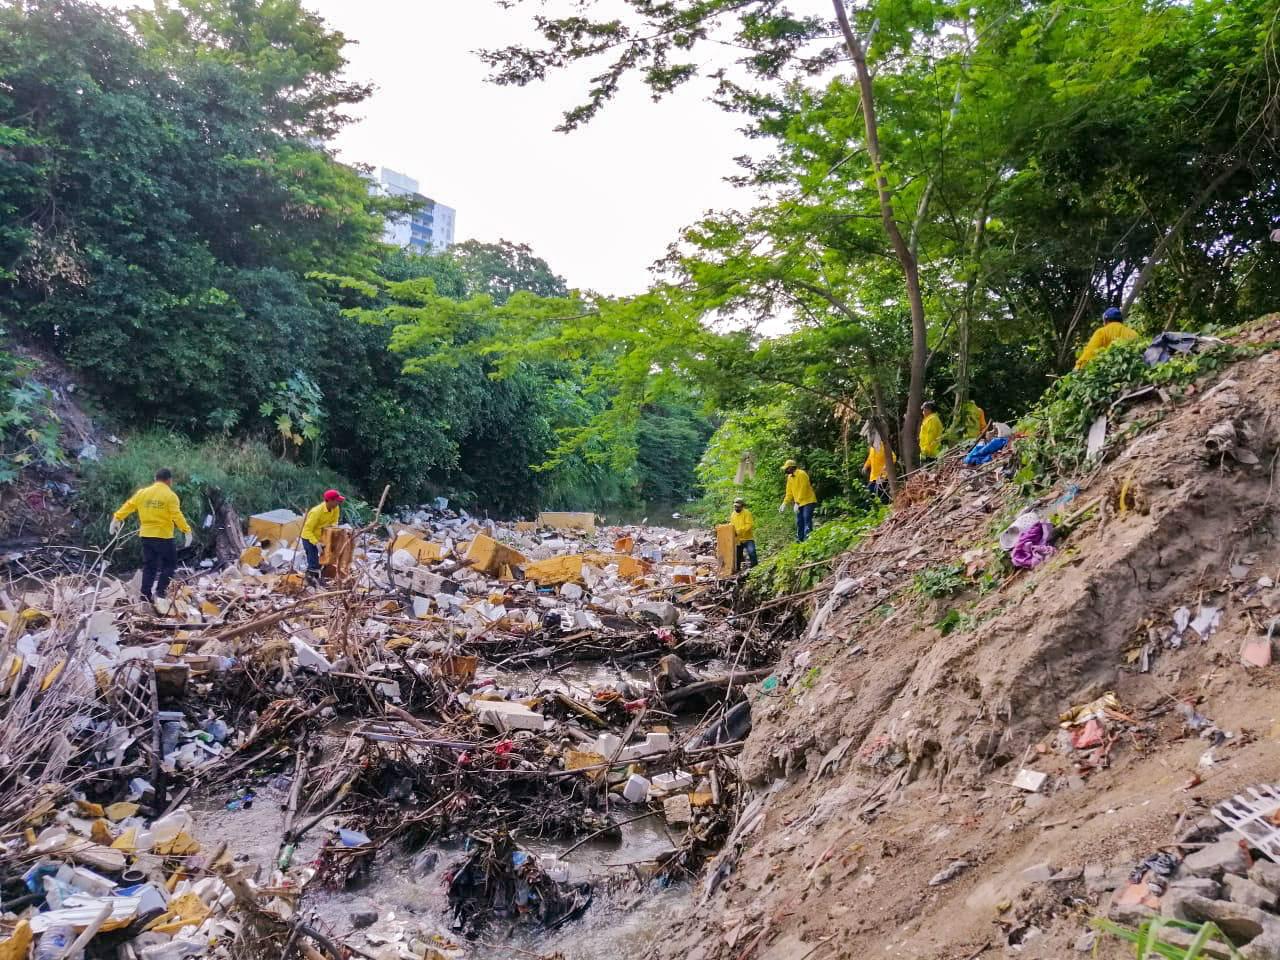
(158, 509)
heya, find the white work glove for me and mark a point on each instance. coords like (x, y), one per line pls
(189, 539)
(115, 526)
(782, 508)
(795, 508)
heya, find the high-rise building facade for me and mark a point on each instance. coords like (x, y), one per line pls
(429, 229)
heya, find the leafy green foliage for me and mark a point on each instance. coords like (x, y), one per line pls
(802, 566)
(30, 429)
(936, 583)
(1057, 427)
(296, 408)
(504, 268)
(1148, 945)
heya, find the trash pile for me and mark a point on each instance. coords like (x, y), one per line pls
(416, 696)
(1223, 873)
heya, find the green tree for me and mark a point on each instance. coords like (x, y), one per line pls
(503, 268)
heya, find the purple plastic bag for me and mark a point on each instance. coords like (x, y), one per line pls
(1034, 546)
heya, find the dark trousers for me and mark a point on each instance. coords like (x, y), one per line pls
(747, 549)
(312, 551)
(880, 490)
(159, 557)
(804, 522)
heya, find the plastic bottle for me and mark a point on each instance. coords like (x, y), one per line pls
(54, 941)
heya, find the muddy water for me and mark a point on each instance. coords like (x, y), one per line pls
(409, 889)
(628, 912)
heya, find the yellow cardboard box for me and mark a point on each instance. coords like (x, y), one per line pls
(281, 527)
(489, 556)
(585, 522)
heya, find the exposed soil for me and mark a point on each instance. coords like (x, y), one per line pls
(39, 506)
(893, 750)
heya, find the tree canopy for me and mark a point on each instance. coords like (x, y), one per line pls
(943, 199)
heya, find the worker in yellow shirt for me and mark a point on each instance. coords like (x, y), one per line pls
(323, 514)
(1112, 331)
(800, 493)
(744, 532)
(876, 466)
(159, 511)
(973, 420)
(930, 431)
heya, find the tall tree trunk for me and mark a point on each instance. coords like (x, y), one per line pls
(964, 325)
(910, 269)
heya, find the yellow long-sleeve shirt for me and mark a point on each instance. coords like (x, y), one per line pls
(973, 420)
(744, 524)
(318, 517)
(799, 489)
(158, 509)
(931, 435)
(876, 463)
(1103, 337)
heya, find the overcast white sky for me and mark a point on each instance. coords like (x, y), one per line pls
(600, 205)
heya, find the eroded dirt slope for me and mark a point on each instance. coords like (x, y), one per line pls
(891, 752)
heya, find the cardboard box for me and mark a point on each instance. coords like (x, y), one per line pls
(727, 549)
(456, 666)
(336, 549)
(489, 556)
(579, 759)
(278, 526)
(423, 550)
(554, 571)
(585, 522)
(526, 526)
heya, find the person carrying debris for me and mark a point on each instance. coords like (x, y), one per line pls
(744, 530)
(323, 514)
(159, 511)
(1114, 330)
(930, 431)
(800, 494)
(876, 466)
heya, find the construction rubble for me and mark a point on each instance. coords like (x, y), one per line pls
(453, 686)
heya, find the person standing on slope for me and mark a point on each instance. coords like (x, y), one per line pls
(1114, 330)
(159, 511)
(876, 466)
(930, 432)
(800, 493)
(744, 531)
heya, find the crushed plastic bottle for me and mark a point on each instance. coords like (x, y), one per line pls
(54, 942)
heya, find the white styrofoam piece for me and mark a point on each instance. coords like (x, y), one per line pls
(1251, 817)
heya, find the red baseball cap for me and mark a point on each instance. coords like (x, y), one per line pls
(334, 495)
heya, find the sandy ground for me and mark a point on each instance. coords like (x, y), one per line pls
(891, 753)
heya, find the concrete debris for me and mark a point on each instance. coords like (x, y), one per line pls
(1224, 857)
(1245, 891)
(949, 872)
(1030, 780)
